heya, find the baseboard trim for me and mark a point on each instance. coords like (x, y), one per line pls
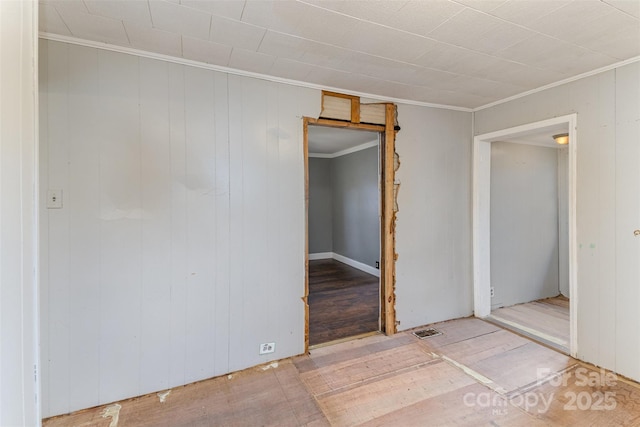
(343, 259)
(320, 255)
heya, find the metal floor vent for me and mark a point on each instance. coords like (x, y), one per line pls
(427, 333)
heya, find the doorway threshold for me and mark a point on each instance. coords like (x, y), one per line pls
(345, 339)
(535, 335)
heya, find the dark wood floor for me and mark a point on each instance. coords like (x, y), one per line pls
(343, 301)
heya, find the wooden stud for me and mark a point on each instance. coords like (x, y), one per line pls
(341, 124)
(388, 219)
(305, 298)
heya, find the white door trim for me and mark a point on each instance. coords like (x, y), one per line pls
(482, 218)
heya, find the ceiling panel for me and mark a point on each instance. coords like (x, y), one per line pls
(51, 22)
(524, 12)
(236, 33)
(180, 19)
(205, 51)
(251, 61)
(463, 53)
(158, 41)
(631, 7)
(136, 12)
(226, 8)
(94, 27)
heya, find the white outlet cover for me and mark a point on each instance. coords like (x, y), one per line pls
(267, 347)
(54, 199)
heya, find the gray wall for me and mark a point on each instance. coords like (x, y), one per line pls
(320, 206)
(608, 205)
(433, 228)
(524, 223)
(344, 206)
(356, 227)
(180, 245)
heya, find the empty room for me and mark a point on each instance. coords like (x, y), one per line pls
(292, 212)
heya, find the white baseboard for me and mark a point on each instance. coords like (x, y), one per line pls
(343, 259)
(357, 264)
(321, 255)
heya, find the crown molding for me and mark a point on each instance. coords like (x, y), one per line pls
(345, 151)
(234, 71)
(560, 83)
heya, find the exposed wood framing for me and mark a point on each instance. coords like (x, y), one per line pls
(388, 196)
(305, 298)
(388, 222)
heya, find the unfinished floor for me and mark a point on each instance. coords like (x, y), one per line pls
(545, 320)
(474, 374)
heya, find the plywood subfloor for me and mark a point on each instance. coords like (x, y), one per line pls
(343, 301)
(474, 374)
(546, 319)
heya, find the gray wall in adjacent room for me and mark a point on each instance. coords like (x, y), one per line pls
(320, 206)
(524, 223)
(356, 229)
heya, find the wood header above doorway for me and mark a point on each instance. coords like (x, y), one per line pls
(338, 106)
(346, 111)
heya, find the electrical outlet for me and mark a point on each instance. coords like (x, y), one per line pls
(267, 347)
(54, 199)
(493, 292)
(378, 264)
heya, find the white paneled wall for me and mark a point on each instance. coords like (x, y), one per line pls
(608, 205)
(180, 245)
(433, 231)
(19, 367)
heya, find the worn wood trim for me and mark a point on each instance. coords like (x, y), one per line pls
(340, 124)
(388, 222)
(355, 104)
(355, 110)
(387, 199)
(305, 297)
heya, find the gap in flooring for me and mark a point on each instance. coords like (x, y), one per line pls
(545, 320)
(343, 301)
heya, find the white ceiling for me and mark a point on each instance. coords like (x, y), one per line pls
(542, 136)
(330, 141)
(464, 53)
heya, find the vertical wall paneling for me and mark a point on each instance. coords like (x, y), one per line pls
(524, 223)
(200, 184)
(293, 105)
(222, 231)
(563, 220)
(19, 362)
(179, 246)
(603, 102)
(177, 314)
(43, 160)
(155, 172)
(627, 204)
(56, 294)
(272, 207)
(120, 224)
(433, 232)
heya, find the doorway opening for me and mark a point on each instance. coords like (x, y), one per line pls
(524, 227)
(344, 230)
(347, 112)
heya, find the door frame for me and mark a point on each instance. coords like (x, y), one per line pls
(387, 221)
(482, 218)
